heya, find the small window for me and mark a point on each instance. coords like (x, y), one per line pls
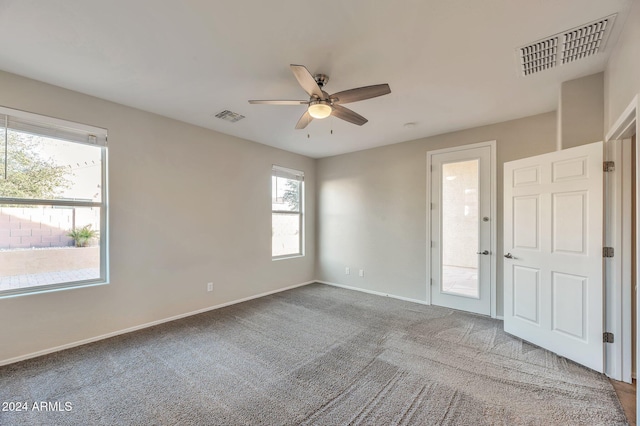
(287, 192)
(53, 218)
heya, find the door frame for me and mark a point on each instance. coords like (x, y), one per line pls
(617, 306)
(493, 206)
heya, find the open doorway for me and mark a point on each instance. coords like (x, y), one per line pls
(622, 277)
(626, 390)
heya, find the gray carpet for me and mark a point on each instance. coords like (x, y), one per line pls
(312, 355)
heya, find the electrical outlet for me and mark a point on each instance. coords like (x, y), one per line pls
(347, 271)
(209, 286)
(361, 273)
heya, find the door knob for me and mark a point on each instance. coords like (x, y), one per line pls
(486, 252)
(509, 256)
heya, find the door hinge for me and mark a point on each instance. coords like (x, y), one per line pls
(430, 281)
(607, 251)
(608, 166)
(607, 337)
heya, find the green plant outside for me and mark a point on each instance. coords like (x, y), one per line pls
(82, 236)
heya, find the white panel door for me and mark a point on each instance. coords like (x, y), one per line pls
(553, 239)
(461, 228)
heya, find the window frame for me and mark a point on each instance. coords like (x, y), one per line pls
(95, 136)
(279, 171)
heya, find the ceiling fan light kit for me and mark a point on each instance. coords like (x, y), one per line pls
(320, 109)
(321, 104)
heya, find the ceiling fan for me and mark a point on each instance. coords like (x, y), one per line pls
(321, 104)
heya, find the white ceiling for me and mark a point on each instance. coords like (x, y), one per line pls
(450, 64)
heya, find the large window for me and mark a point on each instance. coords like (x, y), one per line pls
(53, 218)
(287, 190)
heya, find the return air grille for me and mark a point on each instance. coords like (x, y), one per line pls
(582, 42)
(565, 47)
(229, 116)
(539, 56)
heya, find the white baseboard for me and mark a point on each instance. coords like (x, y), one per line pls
(377, 293)
(140, 327)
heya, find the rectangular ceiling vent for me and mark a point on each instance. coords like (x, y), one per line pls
(584, 41)
(565, 47)
(229, 116)
(539, 56)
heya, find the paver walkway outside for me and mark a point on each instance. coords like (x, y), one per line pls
(31, 280)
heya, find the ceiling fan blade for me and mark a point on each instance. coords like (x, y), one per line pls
(306, 80)
(348, 115)
(280, 102)
(304, 120)
(361, 93)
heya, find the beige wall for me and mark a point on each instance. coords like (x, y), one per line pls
(581, 111)
(622, 74)
(161, 172)
(372, 205)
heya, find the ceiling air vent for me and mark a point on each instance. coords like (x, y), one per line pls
(584, 41)
(565, 47)
(539, 56)
(230, 116)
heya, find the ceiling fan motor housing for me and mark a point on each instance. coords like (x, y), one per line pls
(321, 79)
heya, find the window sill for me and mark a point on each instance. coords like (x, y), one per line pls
(6, 294)
(287, 256)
